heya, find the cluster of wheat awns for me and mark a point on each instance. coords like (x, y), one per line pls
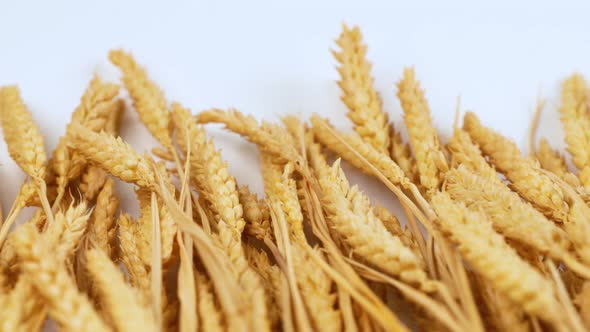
(494, 239)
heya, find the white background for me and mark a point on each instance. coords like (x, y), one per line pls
(270, 58)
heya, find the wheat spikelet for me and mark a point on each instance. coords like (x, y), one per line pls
(464, 152)
(550, 159)
(67, 230)
(23, 138)
(270, 138)
(523, 172)
(113, 155)
(117, 297)
(576, 122)
(211, 176)
(401, 153)
(490, 256)
(128, 232)
(67, 306)
(358, 94)
(91, 182)
(101, 226)
(392, 224)
(352, 217)
(95, 106)
(148, 99)
(510, 215)
(256, 215)
(281, 187)
(379, 160)
(208, 310)
(423, 136)
(577, 227)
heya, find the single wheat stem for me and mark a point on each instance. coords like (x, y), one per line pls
(573, 319)
(358, 94)
(186, 289)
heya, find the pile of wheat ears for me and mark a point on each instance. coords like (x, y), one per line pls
(494, 240)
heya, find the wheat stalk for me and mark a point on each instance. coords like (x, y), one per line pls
(208, 310)
(358, 94)
(168, 228)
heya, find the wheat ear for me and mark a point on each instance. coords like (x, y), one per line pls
(423, 136)
(466, 153)
(167, 228)
(113, 155)
(358, 94)
(576, 124)
(148, 99)
(67, 306)
(23, 138)
(120, 300)
(268, 137)
(128, 232)
(554, 162)
(523, 172)
(510, 215)
(352, 217)
(101, 226)
(256, 215)
(490, 256)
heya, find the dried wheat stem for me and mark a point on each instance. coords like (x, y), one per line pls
(186, 289)
(572, 318)
(358, 94)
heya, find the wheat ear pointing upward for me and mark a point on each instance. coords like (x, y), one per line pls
(358, 94)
